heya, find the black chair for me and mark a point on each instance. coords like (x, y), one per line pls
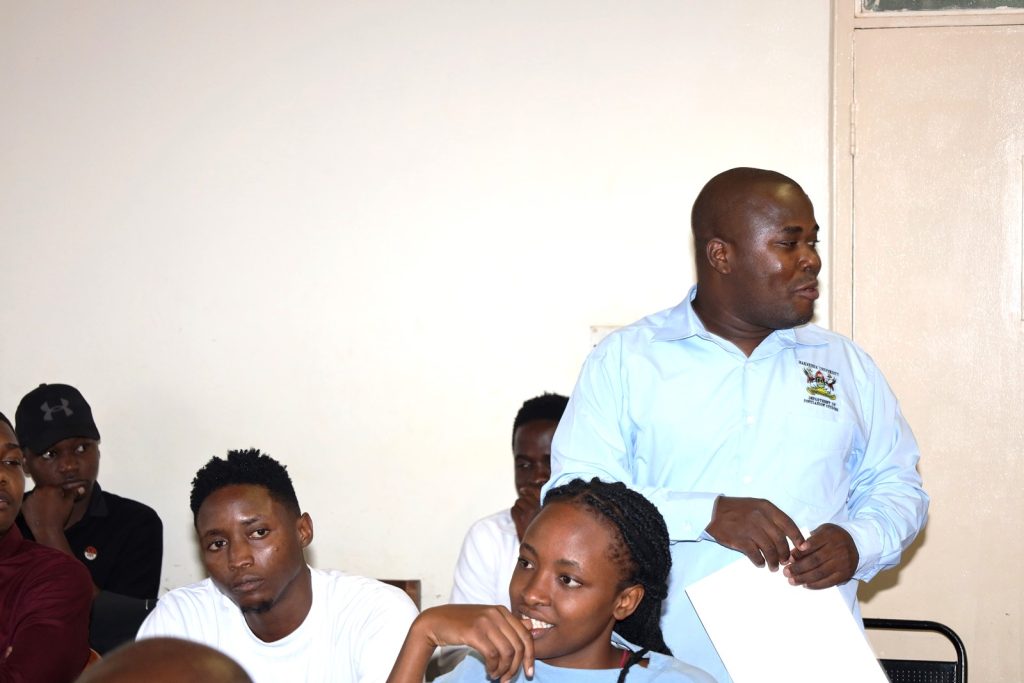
(923, 671)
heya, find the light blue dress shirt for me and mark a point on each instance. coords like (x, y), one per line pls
(683, 416)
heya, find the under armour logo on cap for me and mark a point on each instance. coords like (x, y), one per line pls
(64, 406)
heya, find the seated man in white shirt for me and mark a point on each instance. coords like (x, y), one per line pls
(263, 605)
(491, 547)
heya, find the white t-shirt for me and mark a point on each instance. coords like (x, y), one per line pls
(485, 565)
(352, 634)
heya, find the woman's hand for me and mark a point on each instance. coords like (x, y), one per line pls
(501, 638)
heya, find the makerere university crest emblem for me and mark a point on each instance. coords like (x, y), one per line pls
(821, 384)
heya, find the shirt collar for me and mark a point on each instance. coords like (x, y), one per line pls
(97, 505)
(682, 322)
(97, 502)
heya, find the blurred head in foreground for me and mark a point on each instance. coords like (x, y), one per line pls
(165, 660)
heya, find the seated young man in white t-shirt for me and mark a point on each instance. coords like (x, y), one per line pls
(491, 547)
(263, 605)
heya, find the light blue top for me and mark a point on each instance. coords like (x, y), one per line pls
(660, 668)
(683, 416)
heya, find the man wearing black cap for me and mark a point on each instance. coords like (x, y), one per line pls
(120, 541)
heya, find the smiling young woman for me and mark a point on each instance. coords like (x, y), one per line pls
(586, 601)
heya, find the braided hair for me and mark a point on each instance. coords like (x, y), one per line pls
(641, 550)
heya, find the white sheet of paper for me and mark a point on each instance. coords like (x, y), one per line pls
(766, 630)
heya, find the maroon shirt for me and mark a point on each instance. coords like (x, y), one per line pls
(45, 598)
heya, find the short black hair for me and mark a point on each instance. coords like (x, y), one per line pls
(547, 406)
(3, 418)
(247, 466)
(647, 559)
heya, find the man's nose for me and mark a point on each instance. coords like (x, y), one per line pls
(811, 260)
(67, 462)
(239, 556)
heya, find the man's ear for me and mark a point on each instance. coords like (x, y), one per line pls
(627, 602)
(717, 252)
(304, 527)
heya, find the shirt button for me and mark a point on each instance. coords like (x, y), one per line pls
(747, 479)
(751, 419)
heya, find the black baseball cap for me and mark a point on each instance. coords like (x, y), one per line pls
(51, 413)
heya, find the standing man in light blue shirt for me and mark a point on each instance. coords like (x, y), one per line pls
(743, 422)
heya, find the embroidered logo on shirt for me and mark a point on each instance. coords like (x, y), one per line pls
(90, 553)
(821, 385)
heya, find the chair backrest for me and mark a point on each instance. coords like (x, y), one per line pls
(411, 587)
(923, 671)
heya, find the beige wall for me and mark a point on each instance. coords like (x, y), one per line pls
(359, 235)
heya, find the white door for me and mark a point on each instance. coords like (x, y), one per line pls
(937, 287)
